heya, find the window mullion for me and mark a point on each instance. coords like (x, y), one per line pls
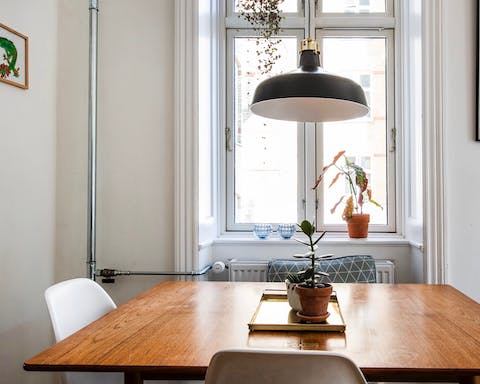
(346, 22)
(294, 22)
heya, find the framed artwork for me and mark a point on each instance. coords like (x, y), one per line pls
(13, 57)
(477, 126)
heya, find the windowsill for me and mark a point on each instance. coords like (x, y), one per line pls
(331, 238)
(244, 246)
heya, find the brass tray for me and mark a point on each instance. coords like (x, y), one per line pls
(275, 314)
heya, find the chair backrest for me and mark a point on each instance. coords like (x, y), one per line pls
(282, 367)
(72, 305)
(75, 303)
(346, 269)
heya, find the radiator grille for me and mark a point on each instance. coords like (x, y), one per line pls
(257, 270)
(248, 270)
(385, 271)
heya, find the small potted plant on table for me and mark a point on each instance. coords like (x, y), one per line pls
(313, 295)
(359, 194)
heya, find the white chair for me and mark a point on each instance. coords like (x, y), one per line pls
(72, 305)
(282, 367)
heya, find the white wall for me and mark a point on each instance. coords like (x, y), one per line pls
(72, 109)
(135, 140)
(27, 191)
(43, 161)
(462, 153)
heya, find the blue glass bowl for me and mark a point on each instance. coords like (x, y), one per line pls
(286, 231)
(262, 231)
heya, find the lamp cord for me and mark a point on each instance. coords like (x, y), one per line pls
(309, 20)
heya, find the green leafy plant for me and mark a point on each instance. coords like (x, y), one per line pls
(309, 276)
(10, 59)
(357, 182)
(265, 17)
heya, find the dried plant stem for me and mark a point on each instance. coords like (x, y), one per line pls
(264, 16)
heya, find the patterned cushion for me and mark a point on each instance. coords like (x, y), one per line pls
(346, 269)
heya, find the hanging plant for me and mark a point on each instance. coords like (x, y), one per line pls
(265, 17)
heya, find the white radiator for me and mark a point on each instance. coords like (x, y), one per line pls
(247, 270)
(257, 270)
(385, 271)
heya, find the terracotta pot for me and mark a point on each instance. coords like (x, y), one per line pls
(358, 225)
(314, 301)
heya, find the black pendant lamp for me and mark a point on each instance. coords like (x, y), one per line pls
(309, 94)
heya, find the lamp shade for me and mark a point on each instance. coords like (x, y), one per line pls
(309, 94)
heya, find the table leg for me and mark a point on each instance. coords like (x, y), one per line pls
(469, 380)
(133, 378)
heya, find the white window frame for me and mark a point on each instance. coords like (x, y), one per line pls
(196, 246)
(228, 173)
(323, 24)
(390, 204)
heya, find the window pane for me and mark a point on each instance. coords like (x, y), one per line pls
(265, 150)
(288, 6)
(353, 6)
(364, 139)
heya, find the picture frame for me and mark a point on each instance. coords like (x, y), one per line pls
(477, 125)
(13, 57)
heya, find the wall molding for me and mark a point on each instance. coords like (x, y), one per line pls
(186, 135)
(433, 141)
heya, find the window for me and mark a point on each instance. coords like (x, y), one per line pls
(354, 6)
(271, 165)
(264, 163)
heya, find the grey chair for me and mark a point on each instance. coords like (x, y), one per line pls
(282, 367)
(346, 269)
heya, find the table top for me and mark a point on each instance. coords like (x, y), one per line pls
(393, 332)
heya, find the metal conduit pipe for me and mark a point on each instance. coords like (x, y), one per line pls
(108, 275)
(92, 272)
(92, 139)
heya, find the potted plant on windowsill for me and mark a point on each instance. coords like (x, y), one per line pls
(359, 194)
(313, 296)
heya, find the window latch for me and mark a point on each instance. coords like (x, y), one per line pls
(393, 143)
(228, 139)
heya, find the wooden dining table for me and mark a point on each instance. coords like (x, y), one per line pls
(394, 332)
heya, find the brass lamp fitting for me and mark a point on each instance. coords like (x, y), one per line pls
(309, 45)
